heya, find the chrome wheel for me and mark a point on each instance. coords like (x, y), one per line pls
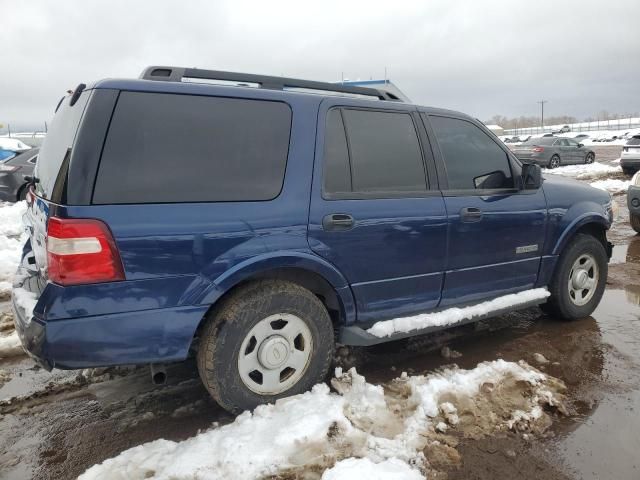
(275, 354)
(555, 162)
(583, 279)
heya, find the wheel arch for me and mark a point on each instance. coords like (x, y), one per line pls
(307, 270)
(589, 223)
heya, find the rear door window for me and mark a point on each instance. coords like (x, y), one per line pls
(473, 160)
(382, 150)
(168, 148)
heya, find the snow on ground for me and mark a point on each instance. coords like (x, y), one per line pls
(12, 238)
(612, 185)
(363, 468)
(10, 345)
(586, 171)
(359, 431)
(451, 316)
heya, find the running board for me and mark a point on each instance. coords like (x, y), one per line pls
(359, 337)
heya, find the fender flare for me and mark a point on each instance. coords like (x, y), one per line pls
(577, 223)
(290, 259)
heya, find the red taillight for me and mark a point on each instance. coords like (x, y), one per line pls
(538, 149)
(81, 251)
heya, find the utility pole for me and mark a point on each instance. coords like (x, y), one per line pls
(542, 102)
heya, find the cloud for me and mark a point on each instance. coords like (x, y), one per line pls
(479, 57)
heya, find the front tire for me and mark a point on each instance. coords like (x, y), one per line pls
(269, 340)
(589, 158)
(554, 162)
(635, 222)
(579, 280)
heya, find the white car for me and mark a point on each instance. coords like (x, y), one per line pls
(7, 143)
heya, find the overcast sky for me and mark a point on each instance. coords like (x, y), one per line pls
(480, 57)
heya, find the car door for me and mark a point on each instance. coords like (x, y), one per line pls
(496, 231)
(567, 155)
(373, 214)
(577, 153)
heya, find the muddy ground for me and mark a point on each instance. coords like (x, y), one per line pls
(55, 425)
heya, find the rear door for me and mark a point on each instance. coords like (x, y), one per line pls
(373, 212)
(496, 232)
(577, 153)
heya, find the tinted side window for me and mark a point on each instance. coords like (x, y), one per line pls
(337, 175)
(384, 151)
(472, 159)
(185, 148)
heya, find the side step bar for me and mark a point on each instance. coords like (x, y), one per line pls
(359, 337)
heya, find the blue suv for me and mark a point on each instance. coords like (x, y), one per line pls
(259, 221)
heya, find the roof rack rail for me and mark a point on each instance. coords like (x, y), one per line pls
(176, 74)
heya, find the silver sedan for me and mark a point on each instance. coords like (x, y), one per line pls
(552, 152)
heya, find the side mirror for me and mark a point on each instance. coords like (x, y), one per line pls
(531, 176)
(580, 145)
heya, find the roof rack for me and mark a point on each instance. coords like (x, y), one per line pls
(176, 74)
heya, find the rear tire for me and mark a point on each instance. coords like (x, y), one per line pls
(554, 162)
(635, 222)
(579, 280)
(269, 340)
(628, 171)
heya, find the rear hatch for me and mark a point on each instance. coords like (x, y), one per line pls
(632, 148)
(50, 174)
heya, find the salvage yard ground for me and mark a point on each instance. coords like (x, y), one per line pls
(517, 396)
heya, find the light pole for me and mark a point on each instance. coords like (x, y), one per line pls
(542, 102)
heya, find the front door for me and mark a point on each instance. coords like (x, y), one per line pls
(496, 232)
(372, 212)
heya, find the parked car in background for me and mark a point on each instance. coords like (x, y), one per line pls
(13, 186)
(551, 152)
(295, 221)
(630, 157)
(581, 136)
(14, 144)
(633, 202)
(7, 154)
(564, 129)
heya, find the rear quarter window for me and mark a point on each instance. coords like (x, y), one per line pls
(168, 148)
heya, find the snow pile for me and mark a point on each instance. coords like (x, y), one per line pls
(10, 345)
(12, 238)
(590, 170)
(612, 185)
(363, 431)
(363, 468)
(454, 315)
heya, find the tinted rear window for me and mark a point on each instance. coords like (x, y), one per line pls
(540, 141)
(184, 148)
(58, 142)
(634, 141)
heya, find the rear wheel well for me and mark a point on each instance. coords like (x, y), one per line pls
(313, 282)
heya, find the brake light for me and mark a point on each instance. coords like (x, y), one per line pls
(81, 251)
(538, 149)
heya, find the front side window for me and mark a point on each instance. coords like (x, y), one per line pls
(472, 159)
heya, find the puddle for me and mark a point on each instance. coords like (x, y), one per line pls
(606, 442)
